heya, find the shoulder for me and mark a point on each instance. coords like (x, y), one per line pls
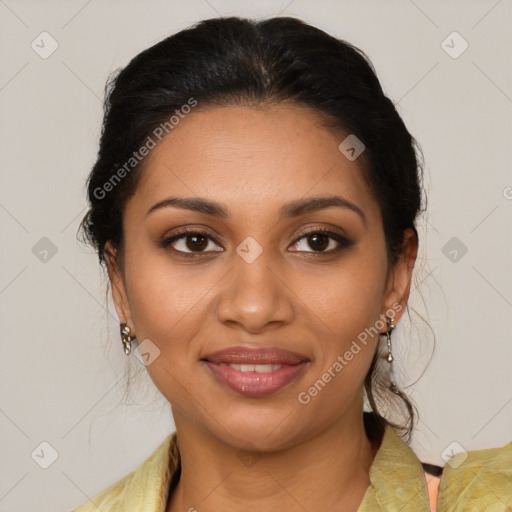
(477, 480)
(145, 488)
(111, 498)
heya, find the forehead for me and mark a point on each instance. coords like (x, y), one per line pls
(258, 157)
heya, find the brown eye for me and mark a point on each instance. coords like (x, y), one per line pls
(196, 242)
(189, 242)
(321, 242)
(318, 241)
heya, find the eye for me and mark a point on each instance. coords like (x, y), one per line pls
(189, 242)
(322, 241)
(192, 243)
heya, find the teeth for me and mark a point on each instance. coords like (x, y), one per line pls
(259, 368)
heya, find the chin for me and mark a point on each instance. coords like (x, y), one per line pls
(270, 429)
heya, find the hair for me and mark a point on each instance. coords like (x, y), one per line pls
(236, 61)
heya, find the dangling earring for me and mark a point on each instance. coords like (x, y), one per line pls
(126, 338)
(391, 326)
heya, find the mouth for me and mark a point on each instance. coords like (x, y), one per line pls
(256, 372)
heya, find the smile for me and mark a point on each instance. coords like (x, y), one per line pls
(255, 372)
(258, 368)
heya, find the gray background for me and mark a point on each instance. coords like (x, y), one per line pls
(62, 364)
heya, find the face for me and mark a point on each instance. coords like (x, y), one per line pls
(260, 277)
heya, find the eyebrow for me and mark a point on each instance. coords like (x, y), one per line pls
(292, 209)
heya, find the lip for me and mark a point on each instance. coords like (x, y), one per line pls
(252, 383)
(261, 355)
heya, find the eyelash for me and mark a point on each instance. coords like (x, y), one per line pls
(342, 241)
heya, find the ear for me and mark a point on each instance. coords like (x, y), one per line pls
(117, 282)
(399, 279)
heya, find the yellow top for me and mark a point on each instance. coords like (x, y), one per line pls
(481, 482)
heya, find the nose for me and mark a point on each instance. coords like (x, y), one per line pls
(255, 296)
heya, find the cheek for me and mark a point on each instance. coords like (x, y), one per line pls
(347, 299)
(171, 305)
(164, 299)
(345, 306)
(167, 307)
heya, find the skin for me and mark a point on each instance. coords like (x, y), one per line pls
(253, 160)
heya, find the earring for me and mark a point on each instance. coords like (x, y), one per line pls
(390, 358)
(126, 338)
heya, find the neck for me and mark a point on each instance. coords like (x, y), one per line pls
(329, 471)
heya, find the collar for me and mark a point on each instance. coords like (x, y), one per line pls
(396, 476)
(397, 479)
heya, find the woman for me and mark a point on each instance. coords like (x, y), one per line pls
(254, 201)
